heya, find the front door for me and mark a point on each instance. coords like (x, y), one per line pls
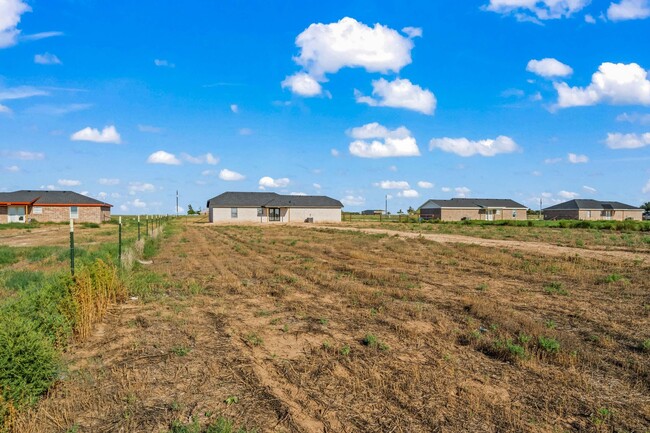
(16, 214)
(489, 215)
(607, 214)
(274, 214)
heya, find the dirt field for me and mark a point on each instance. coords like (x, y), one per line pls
(287, 329)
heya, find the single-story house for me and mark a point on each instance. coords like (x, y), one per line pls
(266, 207)
(372, 212)
(488, 209)
(592, 210)
(51, 206)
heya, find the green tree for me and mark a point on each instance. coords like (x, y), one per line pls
(646, 206)
(410, 210)
(190, 210)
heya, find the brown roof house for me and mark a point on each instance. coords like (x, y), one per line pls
(51, 206)
(592, 210)
(269, 207)
(487, 209)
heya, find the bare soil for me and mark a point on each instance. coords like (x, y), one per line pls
(265, 326)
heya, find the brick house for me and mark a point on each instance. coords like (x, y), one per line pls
(592, 210)
(269, 207)
(487, 209)
(51, 206)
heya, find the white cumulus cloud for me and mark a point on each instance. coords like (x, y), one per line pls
(535, 10)
(326, 48)
(234, 108)
(629, 10)
(616, 140)
(269, 182)
(577, 159)
(353, 200)
(162, 157)
(425, 185)
(466, 147)
(46, 59)
(230, 175)
(393, 184)
(399, 93)
(68, 182)
(568, 194)
(384, 143)
(408, 193)
(10, 12)
(412, 32)
(548, 68)
(302, 84)
(462, 191)
(107, 135)
(613, 83)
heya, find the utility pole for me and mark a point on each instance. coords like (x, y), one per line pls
(176, 202)
(386, 208)
(540, 208)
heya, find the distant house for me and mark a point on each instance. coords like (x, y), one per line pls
(592, 210)
(372, 212)
(51, 206)
(269, 207)
(488, 209)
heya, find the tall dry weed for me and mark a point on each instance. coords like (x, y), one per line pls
(96, 287)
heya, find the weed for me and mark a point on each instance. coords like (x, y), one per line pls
(523, 338)
(323, 321)
(645, 345)
(345, 350)
(549, 344)
(180, 350)
(7, 255)
(612, 278)
(550, 324)
(515, 349)
(254, 339)
(231, 400)
(555, 287)
(601, 416)
(372, 341)
(285, 328)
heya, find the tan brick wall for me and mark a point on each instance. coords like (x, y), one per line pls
(594, 215)
(249, 214)
(4, 217)
(477, 214)
(58, 214)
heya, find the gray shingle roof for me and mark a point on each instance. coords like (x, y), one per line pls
(589, 204)
(479, 203)
(271, 199)
(49, 198)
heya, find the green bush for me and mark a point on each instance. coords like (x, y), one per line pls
(549, 344)
(28, 362)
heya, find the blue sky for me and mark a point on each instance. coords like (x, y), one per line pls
(130, 101)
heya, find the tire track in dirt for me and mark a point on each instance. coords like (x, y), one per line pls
(535, 247)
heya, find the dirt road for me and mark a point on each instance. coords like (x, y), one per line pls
(534, 247)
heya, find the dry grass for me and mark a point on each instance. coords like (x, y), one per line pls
(467, 339)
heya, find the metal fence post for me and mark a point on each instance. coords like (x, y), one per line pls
(146, 228)
(138, 227)
(119, 247)
(71, 247)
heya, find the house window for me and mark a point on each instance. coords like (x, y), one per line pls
(233, 212)
(498, 212)
(260, 212)
(37, 210)
(589, 214)
(514, 213)
(607, 214)
(74, 212)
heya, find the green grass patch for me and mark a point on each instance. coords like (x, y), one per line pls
(20, 280)
(8, 255)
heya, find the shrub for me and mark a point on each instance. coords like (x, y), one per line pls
(28, 363)
(20, 280)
